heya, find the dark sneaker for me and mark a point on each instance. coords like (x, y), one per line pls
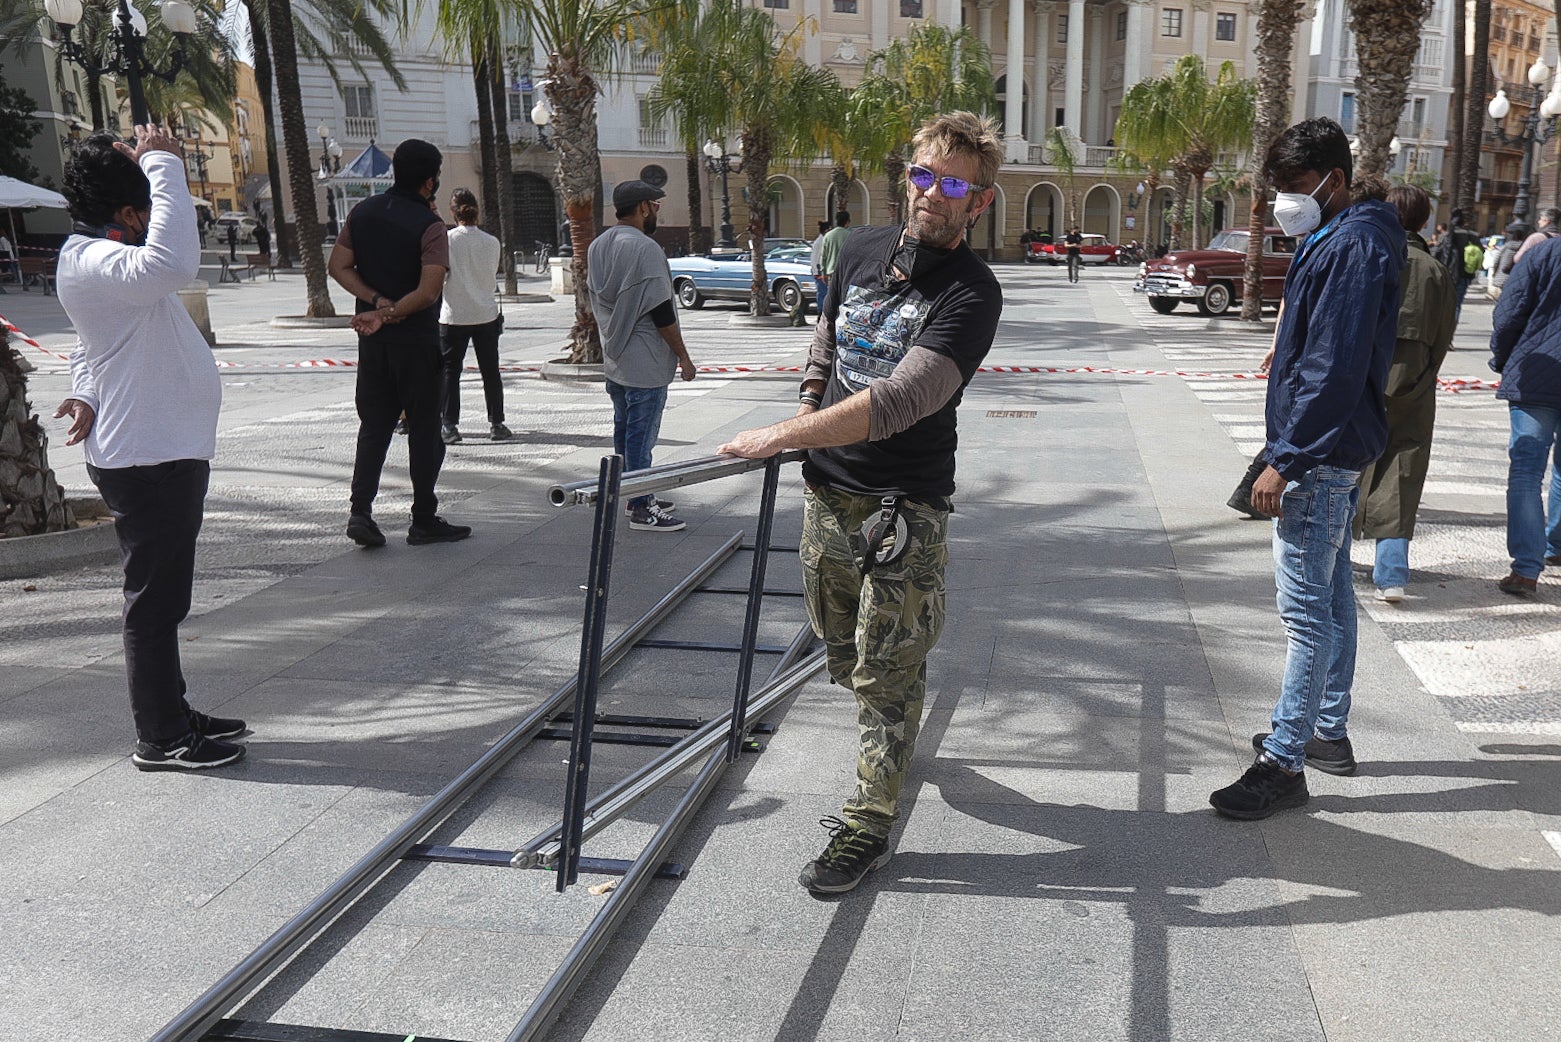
(664, 504)
(850, 855)
(1262, 791)
(499, 432)
(193, 752)
(216, 726)
(362, 530)
(436, 530)
(1518, 585)
(450, 433)
(654, 519)
(1328, 757)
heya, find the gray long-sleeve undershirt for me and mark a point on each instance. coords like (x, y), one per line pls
(921, 384)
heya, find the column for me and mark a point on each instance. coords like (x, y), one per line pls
(1133, 56)
(1040, 93)
(1013, 110)
(1200, 26)
(1095, 102)
(1073, 96)
(879, 12)
(812, 46)
(984, 21)
(949, 13)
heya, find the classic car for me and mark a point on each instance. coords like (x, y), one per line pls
(789, 268)
(769, 244)
(1213, 278)
(1096, 250)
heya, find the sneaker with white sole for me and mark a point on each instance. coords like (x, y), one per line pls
(193, 752)
(664, 504)
(654, 519)
(216, 726)
(850, 854)
(1390, 594)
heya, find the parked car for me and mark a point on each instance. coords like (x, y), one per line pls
(1096, 250)
(246, 226)
(1213, 278)
(788, 266)
(769, 244)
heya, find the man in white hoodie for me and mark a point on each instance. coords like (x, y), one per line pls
(144, 399)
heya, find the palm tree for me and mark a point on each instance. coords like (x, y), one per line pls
(686, 93)
(1474, 108)
(1277, 21)
(31, 501)
(1062, 153)
(1455, 135)
(300, 170)
(1387, 35)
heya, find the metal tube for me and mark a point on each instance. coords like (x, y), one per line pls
(761, 556)
(671, 475)
(561, 986)
(198, 1018)
(577, 778)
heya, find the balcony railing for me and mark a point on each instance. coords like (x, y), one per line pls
(645, 62)
(361, 128)
(653, 137)
(1093, 156)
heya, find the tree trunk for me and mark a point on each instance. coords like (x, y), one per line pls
(1276, 28)
(1474, 110)
(835, 198)
(758, 147)
(286, 248)
(894, 170)
(311, 241)
(698, 241)
(1387, 35)
(1455, 133)
(504, 173)
(490, 165)
(31, 501)
(1197, 209)
(571, 91)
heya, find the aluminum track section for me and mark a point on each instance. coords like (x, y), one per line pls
(669, 475)
(202, 1014)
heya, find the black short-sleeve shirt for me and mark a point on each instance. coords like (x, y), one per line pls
(952, 309)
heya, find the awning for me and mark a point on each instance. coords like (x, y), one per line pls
(21, 195)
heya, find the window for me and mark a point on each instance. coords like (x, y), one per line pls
(779, 5)
(1417, 118)
(362, 119)
(910, 8)
(1058, 116)
(845, 6)
(1171, 21)
(652, 133)
(1347, 113)
(1062, 28)
(1121, 25)
(1225, 27)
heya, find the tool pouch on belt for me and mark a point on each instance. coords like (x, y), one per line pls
(885, 539)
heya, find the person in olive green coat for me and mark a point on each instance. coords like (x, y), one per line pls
(1391, 487)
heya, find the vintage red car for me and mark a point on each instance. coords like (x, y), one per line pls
(1096, 250)
(1213, 278)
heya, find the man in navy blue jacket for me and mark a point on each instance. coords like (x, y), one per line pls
(1326, 420)
(1526, 351)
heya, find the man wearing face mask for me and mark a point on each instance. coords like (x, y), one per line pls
(144, 400)
(392, 255)
(911, 314)
(1326, 420)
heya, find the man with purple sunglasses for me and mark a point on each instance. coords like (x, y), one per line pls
(911, 314)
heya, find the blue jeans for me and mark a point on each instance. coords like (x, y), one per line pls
(1392, 563)
(1317, 606)
(1530, 535)
(1461, 288)
(636, 424)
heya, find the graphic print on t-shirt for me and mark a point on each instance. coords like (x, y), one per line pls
(873, 331)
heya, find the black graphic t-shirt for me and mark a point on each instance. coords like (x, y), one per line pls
(952, 309)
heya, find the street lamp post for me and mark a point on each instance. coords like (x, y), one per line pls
(541, 116)
(129, 59)
(718, 160)
(1538, 125)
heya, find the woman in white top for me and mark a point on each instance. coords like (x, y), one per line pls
(470, 314)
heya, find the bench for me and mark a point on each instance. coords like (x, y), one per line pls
(258, 261)
(235, 272)
(38, 271)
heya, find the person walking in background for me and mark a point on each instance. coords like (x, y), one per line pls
(144, 401)
(1450, 250)
(1325, 420)
(829, 252)
(820, 285)
(469, 314)
(642, 347)
(1392, 485)
(1526, 351)
(263, 240)
(8, 265)
(1074, 241)
(1547, 227)
(232, 242)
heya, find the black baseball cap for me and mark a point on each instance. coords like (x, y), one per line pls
(630, 193)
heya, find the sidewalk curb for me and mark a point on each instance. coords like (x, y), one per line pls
(568, 372)
(93, 543)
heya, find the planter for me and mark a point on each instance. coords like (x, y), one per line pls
(91, 543)
(568, 372)
(562, 277)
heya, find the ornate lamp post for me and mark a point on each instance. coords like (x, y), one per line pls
(541, 116)
(129, 59)
(1538, 126)
(719, 161)
(199, 156)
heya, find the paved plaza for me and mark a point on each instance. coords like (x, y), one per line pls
(1112, 645)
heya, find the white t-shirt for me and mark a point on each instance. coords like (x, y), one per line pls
(468, 288)
(140, 361)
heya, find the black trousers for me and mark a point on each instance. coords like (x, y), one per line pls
(484, 339)
(397, 374)
(157, 513)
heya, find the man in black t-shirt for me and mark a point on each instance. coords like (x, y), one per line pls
(911, 314)
(1074, 241)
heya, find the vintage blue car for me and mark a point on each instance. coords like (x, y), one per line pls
(788, 267)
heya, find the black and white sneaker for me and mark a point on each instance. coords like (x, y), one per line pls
(193, 752)
(450, 433)
(1330, 757)
(436, 530)
(654, 519)
(216, 726)
(664, 504)
(362, 530)
(499, 432)
(850, 854)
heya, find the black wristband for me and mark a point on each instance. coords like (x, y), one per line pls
(812, 398)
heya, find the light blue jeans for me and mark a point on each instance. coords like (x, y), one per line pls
(1531, 537)
(1392, 563)
(636, 424)
(1316, 600)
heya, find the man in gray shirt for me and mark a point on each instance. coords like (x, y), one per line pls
(642, 347)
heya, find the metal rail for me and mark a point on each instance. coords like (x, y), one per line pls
(202, 1014)
(669, 475)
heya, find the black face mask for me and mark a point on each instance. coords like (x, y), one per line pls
(433, 193)
(915, 259)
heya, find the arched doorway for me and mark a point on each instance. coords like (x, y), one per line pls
(1043, 209)
(1158, 217)
(1102, 211)
(786, 209)
(537, 214)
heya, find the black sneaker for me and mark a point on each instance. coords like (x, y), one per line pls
(193, 752)
(362, 530)
(1328, 757)
(1263, 790)
(450, 433)
(499, 432)
(654, 519)
(850, 855)
(216, 726)
(664, 504)
(436, 530)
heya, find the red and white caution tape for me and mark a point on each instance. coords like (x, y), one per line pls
(17, 334)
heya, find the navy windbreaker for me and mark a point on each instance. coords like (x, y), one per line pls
(1526, 329)
(1335, 344)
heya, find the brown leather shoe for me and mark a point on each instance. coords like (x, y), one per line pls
(1518, 585)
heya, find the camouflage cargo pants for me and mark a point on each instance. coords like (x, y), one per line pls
(877, 630)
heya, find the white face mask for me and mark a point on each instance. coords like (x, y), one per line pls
(1298, 213)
